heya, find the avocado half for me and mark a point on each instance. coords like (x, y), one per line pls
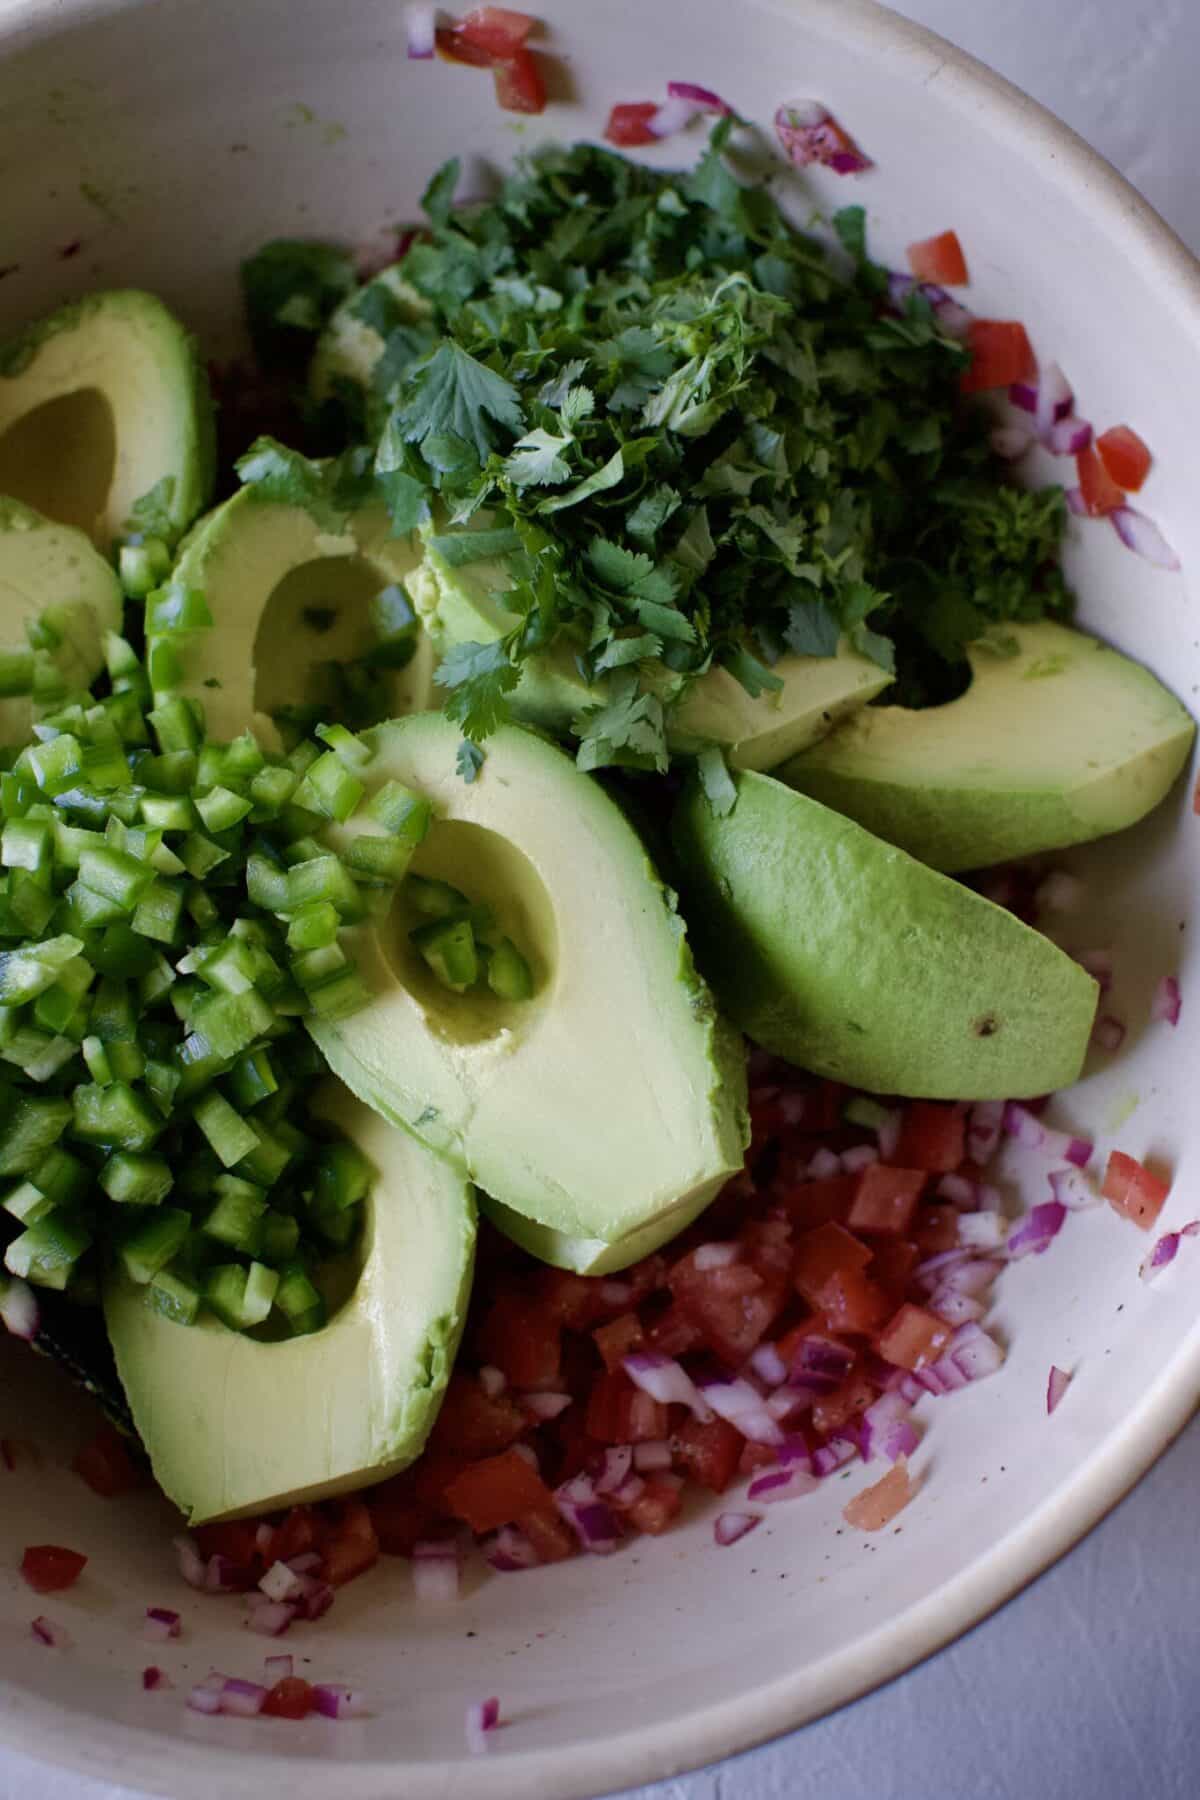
(236, 1426)
(1056, 742)
(103, 404)
(612, 1103)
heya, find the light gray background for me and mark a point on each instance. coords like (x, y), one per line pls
(1088, 1685)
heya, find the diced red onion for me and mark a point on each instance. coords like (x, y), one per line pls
(888, 1135)
(1067, 437)
(973, 1277)
(858, 1158)
(616, 1293)
(613, 1465)
(982, 1230)
(1071, 1190)
(1037, 1230)
(420, 29)
(279, 1668)
(671, 117)
(242, 1699)
(317, 1597)
(1075, 502)
(955, 1308)
(204, 1699)
(731, 1527)
(808, 133)
(305, 1563)
(715, 1256)
(834, 1453)
(769, 1366)
(666, 1381)
(887, 1430)
(1059, 892)
(436, 1575)
(651, 1455)
(593, 1522)
(281, 1583)
(1167, 1001)
(264, 1537)
(1024, 394)
(338, 1702)
(155, 1680)
(1108, 1033)
(161, 1623)
(1011, 441)
(1099, 965)
(958, 1190)
(545, 1406)
(933, 1271)
(821, 1357)
(702, 97)
(222, 1575)
(493, 1381)
(954, 319)
(1056, 1387)
(1163, 1253)
(974, 1353)
(824, 1165)
(984, 1126)
(988, 1199)
(743, 1406)
(19, 1308)
(192, 1565)
(1192, 1229)
(782, 1484)
(55, 1637)
(481, 1717)
(1053, 399)
(509, 1550)
(272, 1618)
(1022, 1125)
(1142, 535)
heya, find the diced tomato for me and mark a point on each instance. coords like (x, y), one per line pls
(932, 1136)
(433, 1474)
(48, 1568)
(236, 1540)
(495, 1492)
(733, 1306)
(290, 1698)
(106, 1465)
(552, 1540)
(519, 84)
(628, 124)
(939, 259)
(1000, 354)
(754, 1457)
(619, 1413)
(1131, 1189)
(296, 1535)
(1125, 457)
(812, 1203)
(878, 1505)
(935, 1229)
(496, 29)
(657, 1504)
(352, 1546)
(576, 1449)
(709, 1452)
(399, 1518)
(521, 1338)
(852, 1302)
(886, 1199)
(834, 1410)
(673, 1333)
(1100, 492)
(913, 1338)
(821, 1254)
(572, 1300)
(892, 1265)
(617, 1339)
(472, 1423)
(455, 47)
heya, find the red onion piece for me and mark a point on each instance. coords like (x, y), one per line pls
(1167, 1001)
(984, 1126)
(1192, 1229)
(743, 1406)
(1037, 1230)
(305, 1563)
(204, 1699)
(1053, 399)
(593, 1522)
(886, 1428)
(1067, 437)
(55, 1637)
(702, 97)
(1056, 1387)
(821, 1357)
(974, 1353)
(161, 1623)
(271, 1618)
(730, 1527)
(1075, 502)
(858, 1158)
(420, 27)
(1025, 395)
(1022, 1125)
(1108, 1033)
(782, 1484)
(651, 1455)
(616, 1293)
(509, 1550)
(282, 1583)
(612, 1468)
(1163, 1253)
(1072, 1191)
(1059, 892)
(769, 1366)
(192, 1565)
(673, 116)
(481, 1717)
(808, 133)
(1011, 441)
(155, 1680)
(958, 1190)
(279, 1668)
(19, 1310)
(888, 1134)
(242, 1699)
(338, 1702)
(835, 1453)
(983, 1230)
(1099, 965)
(955, 1308)
(1140, 534)
(492, 1381)
(666, 1381)
(318, 1598)
(222, 1575)
(715, 1256)
(436, 1574)
(824, 1165)
(545, 1406)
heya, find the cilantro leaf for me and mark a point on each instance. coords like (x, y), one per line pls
(150, 514)
(480, 676)
(274, 473)
(850, 224)
(289, 289)
(403, 488)
(812, 629)
(716, 781)
(753, 675)
(628, 730)
(469, 760)
(608, 476)
(455, 392)
(537, 460)
(437, 201)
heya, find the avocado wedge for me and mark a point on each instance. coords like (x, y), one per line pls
(235, 1426)
(612, 1099)
(102, 405)
(849, 957)
(1057, 741)
(53, 581)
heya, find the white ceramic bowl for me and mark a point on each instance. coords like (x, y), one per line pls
(169, 139)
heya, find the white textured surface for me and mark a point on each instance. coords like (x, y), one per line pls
(1085, 1685)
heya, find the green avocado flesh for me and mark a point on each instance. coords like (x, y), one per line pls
(51, 574)
(350, 346)
(1062, 742)
(234, 1425)
(287, 600)
(844, 954)
(101, 405)
(613, 1098)
(465, 604)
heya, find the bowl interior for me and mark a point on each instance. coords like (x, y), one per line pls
(156, 145)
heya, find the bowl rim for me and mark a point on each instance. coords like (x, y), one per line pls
(183, 1769)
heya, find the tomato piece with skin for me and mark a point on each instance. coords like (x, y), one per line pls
(496, 29)
(846, 1402)
(1000, 354)
(708, 1452)
(400, 1520)
(290, 1698)
(573, 1300)
(935, 1228)
(913, 1338)
(352, 1546)
(619, 1413)
(886, 1199)
(673, 1333)
(617, 1339)
(49, 1568)
(472, 1423)
(877, 1506)
(1125, 457)
(236, 1540)
(106, 1465)
(1100, 492)
(939, 259)
(1132, 1190)
(552, 1540)
(628, 124)
(821, 1254)
(295, 1536)
(851, 1301)
(496, 1491)
(455, 47)
(733, 1307)
(933, 1136)
(521, 1338)
(519, 84)
(754, 1457)
(813, 1203)
(657, 1505)
(892, 1265)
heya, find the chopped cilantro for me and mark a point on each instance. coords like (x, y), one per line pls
(289, 289)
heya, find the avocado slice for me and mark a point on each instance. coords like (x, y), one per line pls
(51, 574)
(235, 1425)
(614, 1097)
(847, 956)
(287, 598)
(464, 603)
(1062, 741)
(353, 340)
(103, 404)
